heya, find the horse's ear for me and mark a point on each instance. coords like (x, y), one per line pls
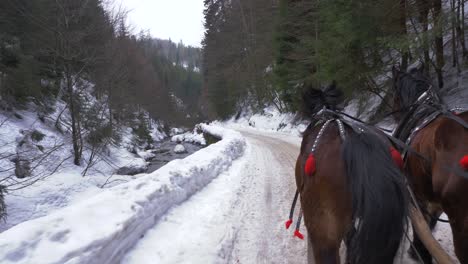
(421, 68)
(395, 71)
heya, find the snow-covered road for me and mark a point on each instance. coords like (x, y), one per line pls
(238, 218)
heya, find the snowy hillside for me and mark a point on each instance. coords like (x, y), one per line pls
(37, 168)
(270, 119)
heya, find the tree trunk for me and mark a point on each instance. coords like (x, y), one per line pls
(439, 42)
(461, 26)
(424, 13)
(403, 30)
(109, 107)
(74, 119)
(454, 35)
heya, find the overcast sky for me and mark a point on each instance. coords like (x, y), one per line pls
(174, 19)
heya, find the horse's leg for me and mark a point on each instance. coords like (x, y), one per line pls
(418, 250)
(326, 227)
(310, 251)
(347, 241)
(325, 255)
(325, 234)
(459, 224)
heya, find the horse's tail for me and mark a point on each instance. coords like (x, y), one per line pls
(379, 200)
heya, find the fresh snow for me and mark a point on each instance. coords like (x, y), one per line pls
(269, 120)
(194, 137)
(179, 149)
(102, 228)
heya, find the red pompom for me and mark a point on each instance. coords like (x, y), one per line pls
(298, 234)
(310, 165)
(464, 162)
(288, 223)
(397, 157)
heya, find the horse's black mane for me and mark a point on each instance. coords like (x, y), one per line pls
(314, 99)
(409, 86)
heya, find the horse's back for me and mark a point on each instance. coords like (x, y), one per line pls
(444, 142)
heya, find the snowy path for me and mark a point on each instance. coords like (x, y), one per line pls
(238, 218)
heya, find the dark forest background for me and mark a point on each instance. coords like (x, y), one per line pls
(264, 52)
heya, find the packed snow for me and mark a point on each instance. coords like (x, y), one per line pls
(129, 210)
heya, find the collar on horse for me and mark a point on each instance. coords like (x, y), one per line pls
(423, 112)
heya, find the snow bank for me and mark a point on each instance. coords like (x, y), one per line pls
(270, 119)
(103, 228)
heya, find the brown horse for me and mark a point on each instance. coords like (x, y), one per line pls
(350, 188)
(435, 174)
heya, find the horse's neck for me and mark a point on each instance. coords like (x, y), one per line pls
(413, 120)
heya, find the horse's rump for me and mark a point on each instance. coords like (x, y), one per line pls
(356, 184)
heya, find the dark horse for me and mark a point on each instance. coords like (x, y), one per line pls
(441, 141)
(353, 192)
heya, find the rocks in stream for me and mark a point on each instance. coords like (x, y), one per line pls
(180, 149)
(131, 170)
(161, 151)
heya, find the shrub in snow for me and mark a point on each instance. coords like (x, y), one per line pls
(22, 167)
(180, 149)
(25, 151)
(37, 136)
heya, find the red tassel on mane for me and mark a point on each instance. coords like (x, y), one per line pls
(464, 162)
(288, 223)
(310, 165)
(397, 157)
(298, 234)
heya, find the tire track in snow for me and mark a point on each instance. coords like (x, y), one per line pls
(238, 218)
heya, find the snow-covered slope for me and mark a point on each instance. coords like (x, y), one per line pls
(55, 181)
(270, 119)
(102, 228)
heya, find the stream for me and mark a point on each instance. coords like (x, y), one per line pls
(164, 151)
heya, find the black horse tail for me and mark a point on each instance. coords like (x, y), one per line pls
(379, 200)
(314, 99)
